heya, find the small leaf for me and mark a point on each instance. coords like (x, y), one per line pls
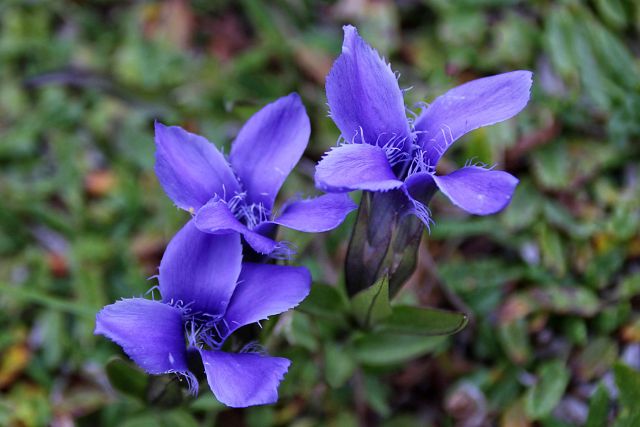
(552, 250)
(338, 365)
(598, 408)
(559, 40)
(377, 394)
(613, 12)
(628, 419)
(259, 416)
(524, 207)
(324, 301)
(423, 321)
(551, 166)
(126, 378)
(514, 337)
(388, 349)
(628, 382)
(298, 333)
(629, 286)
(611, 52)
(543, 397)
(178, 418)
(596, 358)
(174, 418)
(164, 391)
(576, 331)
(206, 402)
(372, 304)
(144, 420)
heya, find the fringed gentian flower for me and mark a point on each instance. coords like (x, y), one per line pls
(207, 294)
(383, 150)
(239, 197)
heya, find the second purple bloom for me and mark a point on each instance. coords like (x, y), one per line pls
(207, 294)
(238, 196)
(383, 150)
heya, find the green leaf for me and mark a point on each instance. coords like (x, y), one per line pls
(377, 394)
(613, 12)
(299, 332)
(575, 329)
(598, 408)
(629, 286)
(596, 358)
(259, 416)
(524, 207)
(559, 42)
(164, 391)
(423, 321)
(514, 338)
(372, 304)
(178, 418)
(610, 51)
(479, 283)
(602, 266)
(206, 402)
(378, 349)
(543, 397)
(338, 365)
(552, 250)
(628, 420)
(174, 418)
(144, 420)
(324, 300)
(560, 217)
(127, 378)
(628, 382)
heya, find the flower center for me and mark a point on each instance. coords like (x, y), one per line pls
(250, 214)
(395, 151)
(205, 331)
(420, 163)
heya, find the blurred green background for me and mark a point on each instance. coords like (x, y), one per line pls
(552, 285)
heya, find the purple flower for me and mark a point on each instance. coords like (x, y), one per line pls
(208, 293)
(383, 150)
(238, 197)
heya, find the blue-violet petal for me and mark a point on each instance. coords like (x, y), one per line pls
(150, 332)
(316, 215)
(244, 379)
(268, 147)
(476, 190)
(265, 290)
(364, 98)
(200, 270)
(478, 103)
(190, 169)
(355, 167)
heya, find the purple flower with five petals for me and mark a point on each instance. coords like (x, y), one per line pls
(207, 294)
(384, 150)
(238, 197)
